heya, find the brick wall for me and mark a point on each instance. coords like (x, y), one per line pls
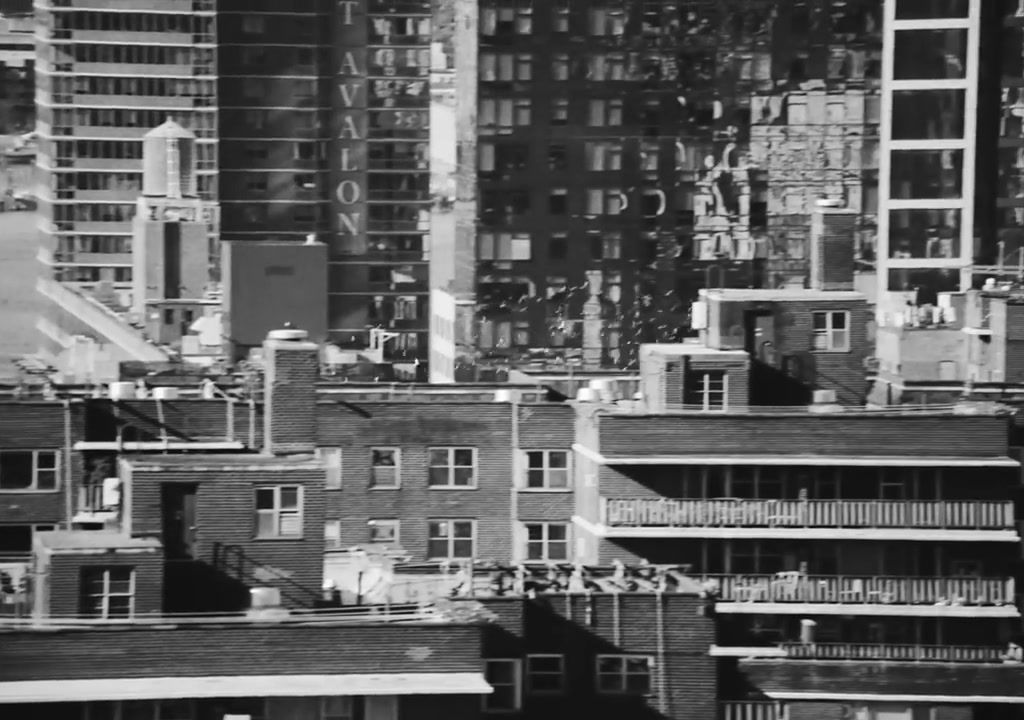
(839, 371)
(580, 628)
(225, 499)
(973, 436)
(262, 649)
(41, 426)
(188, 419)
(64, 579)
(415, 427)
(292, 369)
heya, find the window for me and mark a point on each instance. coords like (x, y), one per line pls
(619, 674)
(604, 112)
(335, 708)
(385, 467)
(452, 467)
(559, 111)
(604, 201)
(706, 390)
(384, 531)
(558, 201)
(31, 470)
(332, 464)
(601, 156)
(504, 677)
(547, 541)
(547, 469)
(279, 511)
(560, 16)
(560, 66)
(831, 331)
(108, 592)
(450, 539)
(545, 674)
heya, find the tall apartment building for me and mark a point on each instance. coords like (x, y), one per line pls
(325, 130)
(109, 72)
(316, 116)
(669, 146)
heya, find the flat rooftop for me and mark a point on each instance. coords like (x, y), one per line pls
(94, 540)
(781, 294)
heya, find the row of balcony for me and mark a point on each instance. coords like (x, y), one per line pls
(894, 652)
(795, 587)
(878, 514)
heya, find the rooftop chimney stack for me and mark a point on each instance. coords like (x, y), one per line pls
(833, 230)
(292, 366)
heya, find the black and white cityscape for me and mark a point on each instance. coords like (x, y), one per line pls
(511, 359)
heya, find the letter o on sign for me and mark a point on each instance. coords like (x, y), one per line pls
(348, 192)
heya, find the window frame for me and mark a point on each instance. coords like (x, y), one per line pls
(517, 686)
(278, 511)
(829, 331)
(529, 673)
(545, 541)
(450, 539)
(706, 392)
(622, 674)
(451, 467)
(106, 594)
(393, 523)
(397, 484)
(33, 486)
(545, 470)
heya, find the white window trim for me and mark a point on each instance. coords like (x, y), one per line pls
(106, 595)
(546, 541)
(546, 468)
(528, 675)
(829, 331)
(393, 523)
(621, 675)
(450, 484)
(277, 511)
(518, 686)
(705, 391)
(450, 540)
(34, 487)
(398, 468)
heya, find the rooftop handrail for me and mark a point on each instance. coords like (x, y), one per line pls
(367, 614)
(894, 652)
(796, 513)
(863, 589)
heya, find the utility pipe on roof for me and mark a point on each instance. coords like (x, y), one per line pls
(69, 510)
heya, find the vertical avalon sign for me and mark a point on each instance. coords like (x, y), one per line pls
(349, 128)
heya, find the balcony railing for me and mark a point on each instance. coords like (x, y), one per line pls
(895, 653)
(91, 500)
(895, 514)
(757, 710)
(864, 590)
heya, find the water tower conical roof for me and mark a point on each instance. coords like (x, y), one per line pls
(170, 129)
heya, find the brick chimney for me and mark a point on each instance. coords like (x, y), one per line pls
(292, 366)
(832, 246)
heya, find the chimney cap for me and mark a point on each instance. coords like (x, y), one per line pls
(288, 333)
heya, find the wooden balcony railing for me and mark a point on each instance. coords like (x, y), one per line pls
(895, 653)
(918, 514)
(864, 590)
